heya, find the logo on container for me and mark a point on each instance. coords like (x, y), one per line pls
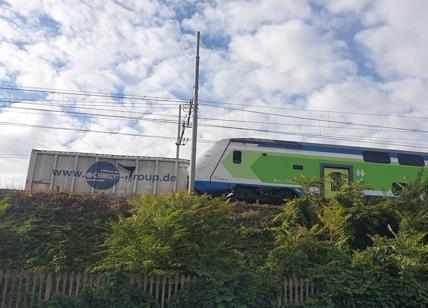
(102, 175)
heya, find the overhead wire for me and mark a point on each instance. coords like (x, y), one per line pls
(166, 121)
(96, 131)
(369, 126)
(14, 157)
(85, 115)
(222, 103)
(184, 100)
(158, 99)
(318, 119)
(324, 136)
(209, 105)
(90, 93)
(118, 104)
(313, 135)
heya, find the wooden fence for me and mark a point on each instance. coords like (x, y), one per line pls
(29, 289)
(296, 291)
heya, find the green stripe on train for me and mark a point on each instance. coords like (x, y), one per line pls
(277, 168)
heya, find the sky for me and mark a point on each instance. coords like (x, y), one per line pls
(350, 72)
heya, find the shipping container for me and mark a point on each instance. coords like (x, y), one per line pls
(110, 174)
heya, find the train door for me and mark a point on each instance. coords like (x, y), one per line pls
(334, 178)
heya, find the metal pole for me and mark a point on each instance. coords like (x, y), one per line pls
(178, 143)
(195, 119)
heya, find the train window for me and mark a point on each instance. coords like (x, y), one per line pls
(411, 160)
(297, 167)
(376, 157)
(237, 157)
(396, 187)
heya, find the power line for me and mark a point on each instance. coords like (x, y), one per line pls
(94, 131)
(165, 99)
(310, 110)
(295, 124)
(324, 136)
(62, 102)
(332, 137)
(89, 93)
(317, 119)
(369, 126)
(85, 114)
(162, 99)
(166, 121)
(14, 157)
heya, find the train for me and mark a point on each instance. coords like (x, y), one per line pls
(243, 169)
(262, 170)
(121, 175)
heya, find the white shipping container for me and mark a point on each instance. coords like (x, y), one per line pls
(111, 174)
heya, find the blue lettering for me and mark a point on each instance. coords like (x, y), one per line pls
(67, 172)
(78, 173)
(56, 172)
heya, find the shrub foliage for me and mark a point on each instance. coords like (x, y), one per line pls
(360, 252)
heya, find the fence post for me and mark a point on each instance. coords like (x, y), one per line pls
(145, 283)
(64, 282)
(41, 279)
(5, 285)
(27, 278)
(39, 287)
(176, 282)
(158, 282)
(170, 283)
(151, 281)
(48, 286)
(296, 290)
(78, 279)
(285, 284)
(163, 292)
(70, 289)
(20, 276)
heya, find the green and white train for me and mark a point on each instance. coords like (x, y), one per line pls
(265, 170)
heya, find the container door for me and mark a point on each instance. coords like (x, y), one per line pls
(334, 179)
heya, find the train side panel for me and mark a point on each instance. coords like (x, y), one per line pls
(256, 166)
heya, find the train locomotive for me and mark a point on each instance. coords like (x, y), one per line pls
(263, 170)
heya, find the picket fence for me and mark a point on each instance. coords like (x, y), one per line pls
(33, 289)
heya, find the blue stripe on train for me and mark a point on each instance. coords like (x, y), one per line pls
(332, 149)
(213, 187)
(220, 187)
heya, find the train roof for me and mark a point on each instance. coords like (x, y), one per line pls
(319, 146)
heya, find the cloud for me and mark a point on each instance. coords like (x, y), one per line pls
(344, 6)
(352, 56)
(293, 57)
(242, 17)
(395, 41)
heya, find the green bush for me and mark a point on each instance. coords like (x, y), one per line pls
(360, 253)
(254, 237)
(172, 234)
(115, 293)
(45, 231)
(232, 289)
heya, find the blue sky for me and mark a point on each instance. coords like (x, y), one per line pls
(345, 58)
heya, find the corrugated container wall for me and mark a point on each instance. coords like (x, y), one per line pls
(111, 174)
